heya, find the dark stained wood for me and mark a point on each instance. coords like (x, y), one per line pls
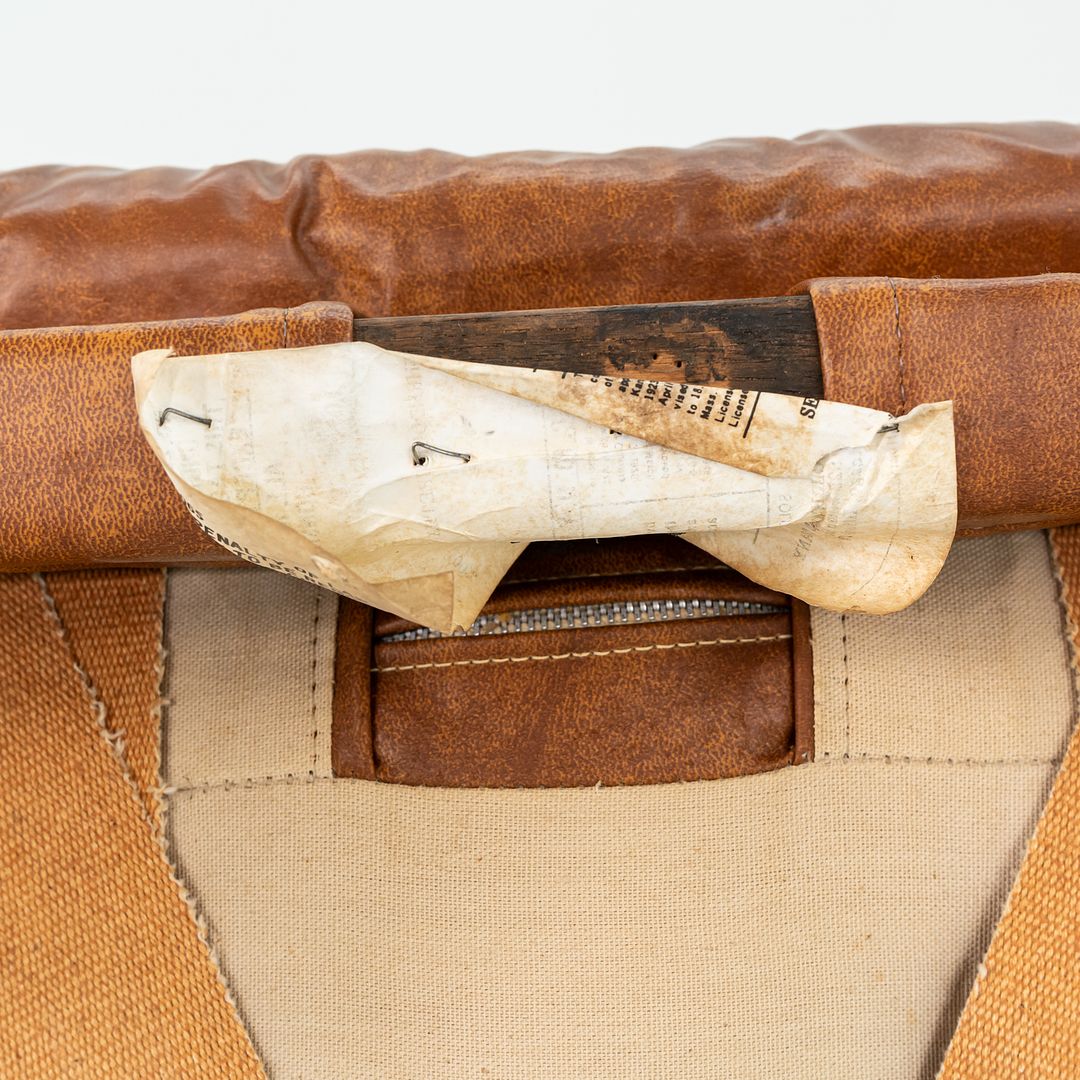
(763, 344)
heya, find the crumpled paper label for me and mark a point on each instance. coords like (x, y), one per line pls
(412, 483)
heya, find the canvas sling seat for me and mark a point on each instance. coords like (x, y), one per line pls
(648, 817)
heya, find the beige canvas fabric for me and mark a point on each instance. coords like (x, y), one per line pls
(249, 676)
(822, 922)
(977, 670)
(825, 920)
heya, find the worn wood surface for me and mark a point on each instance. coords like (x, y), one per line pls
(765, 344)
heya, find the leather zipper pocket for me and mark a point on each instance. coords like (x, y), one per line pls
(639, 665)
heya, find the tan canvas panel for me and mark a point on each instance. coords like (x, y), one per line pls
(824, 920)
(977, 670)
(249, 676)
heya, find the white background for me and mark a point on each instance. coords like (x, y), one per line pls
(199, 82)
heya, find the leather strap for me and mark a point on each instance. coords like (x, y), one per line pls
(1021, 1017)
(104, 972)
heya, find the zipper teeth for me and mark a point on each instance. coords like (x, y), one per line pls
(579, 616)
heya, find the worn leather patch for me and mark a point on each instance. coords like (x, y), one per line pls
(81, 487)
(1004, 351)
(579, 693)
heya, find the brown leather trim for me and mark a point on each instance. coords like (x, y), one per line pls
(802, 681)
(80, 485)
(1006, 351)
(426, 233)
(640, 704)
(351, 748)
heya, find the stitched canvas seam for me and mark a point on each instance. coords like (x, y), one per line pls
(909, 759)
(847, 686)
(158, 712)
(304, 748)
(315, 686)
(115, 739)
(622, 651)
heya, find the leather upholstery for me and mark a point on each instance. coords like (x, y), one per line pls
(1007, 351)
(386, 233)
(80, 484)
(391, 233)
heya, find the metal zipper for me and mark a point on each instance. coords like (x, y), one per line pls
(579, 616)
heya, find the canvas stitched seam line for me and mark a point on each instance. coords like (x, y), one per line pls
(158, 709)
(657, 647)
(899, 343)
(907, 759)
(315, 687)
(294, 779)
(115, 739)
(847, 685)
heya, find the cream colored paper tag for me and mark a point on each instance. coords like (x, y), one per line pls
(412, 483)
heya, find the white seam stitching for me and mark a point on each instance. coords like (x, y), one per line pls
(115, 739)
(656, 647)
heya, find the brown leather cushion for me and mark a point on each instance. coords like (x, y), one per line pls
(398, 234)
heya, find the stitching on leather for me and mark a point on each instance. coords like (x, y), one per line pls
(624, 651)
(899, 343)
